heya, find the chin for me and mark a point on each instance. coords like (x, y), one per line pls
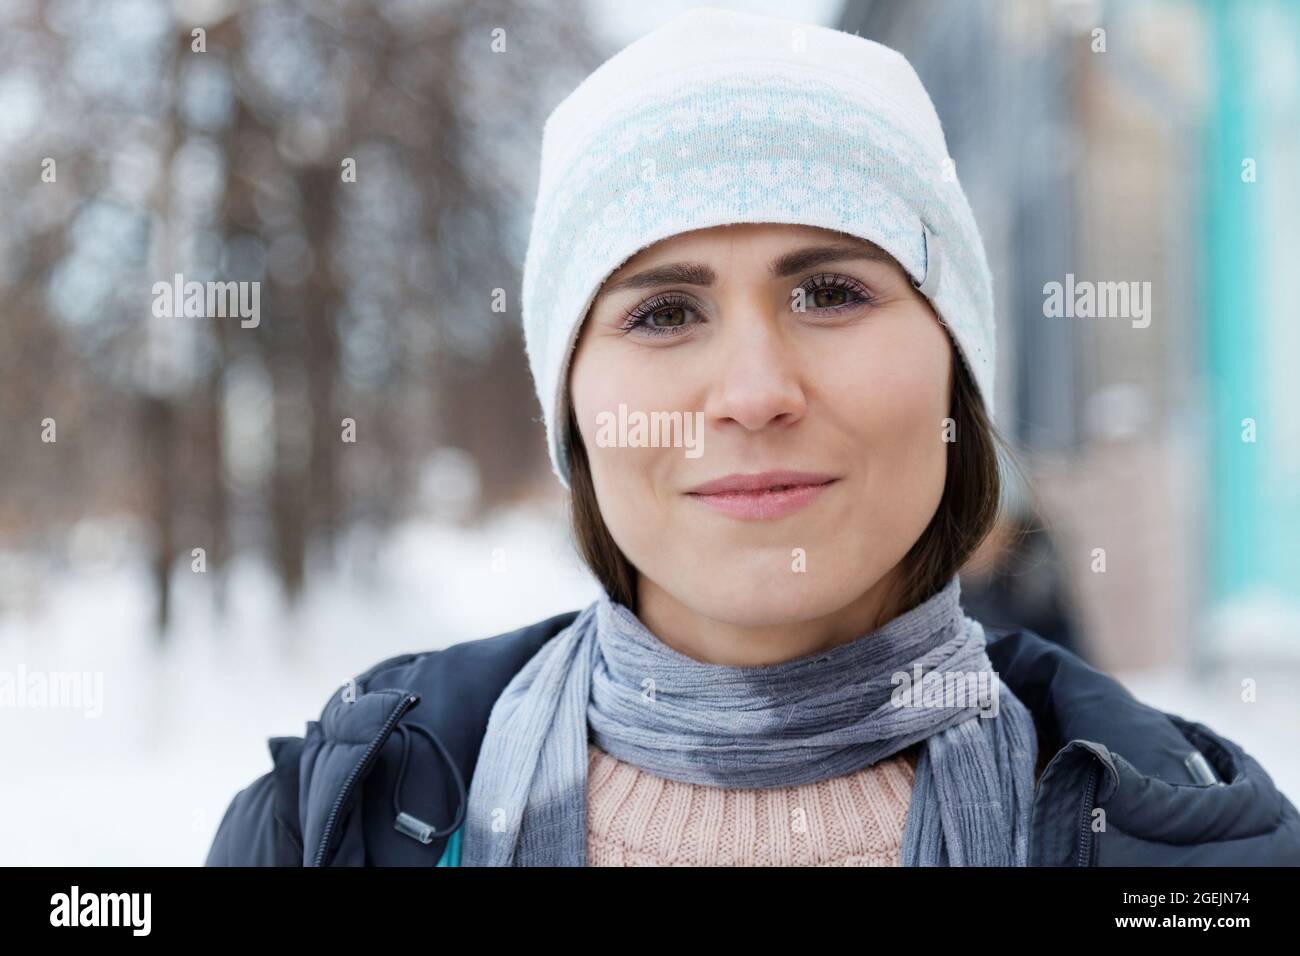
(768, 600)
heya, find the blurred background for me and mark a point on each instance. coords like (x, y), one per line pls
(184, 530)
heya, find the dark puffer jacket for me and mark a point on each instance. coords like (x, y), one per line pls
(404, 742)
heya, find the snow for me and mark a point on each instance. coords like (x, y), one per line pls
(184, 723)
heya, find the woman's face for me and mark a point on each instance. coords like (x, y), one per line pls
(853, 391)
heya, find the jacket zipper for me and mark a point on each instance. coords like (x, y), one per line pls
(406, 703)
(1085, 826)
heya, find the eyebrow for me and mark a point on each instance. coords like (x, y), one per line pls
(695, 273)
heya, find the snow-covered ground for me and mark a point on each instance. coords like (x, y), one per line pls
(181, 729)
(183, 725)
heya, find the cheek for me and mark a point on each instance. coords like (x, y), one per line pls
(893, 396)
(895, 381)
(629, 482)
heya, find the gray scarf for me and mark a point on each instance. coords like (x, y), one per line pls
(800, 721)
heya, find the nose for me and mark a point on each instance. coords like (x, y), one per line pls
(758, 380)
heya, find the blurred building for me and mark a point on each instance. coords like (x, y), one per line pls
(1154, 141)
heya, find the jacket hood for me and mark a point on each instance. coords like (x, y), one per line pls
(1148, 769)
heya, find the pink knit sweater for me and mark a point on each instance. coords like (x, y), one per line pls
(635, 818)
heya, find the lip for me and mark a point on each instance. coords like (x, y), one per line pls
(753, 498)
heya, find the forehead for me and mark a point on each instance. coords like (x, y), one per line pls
(763, 241)
(754, 234)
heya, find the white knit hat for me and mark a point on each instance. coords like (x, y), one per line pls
(721, 117)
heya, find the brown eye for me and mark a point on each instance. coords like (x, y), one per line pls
(665, 315)
(672, 316)
(831, 294)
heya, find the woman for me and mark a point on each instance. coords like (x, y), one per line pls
(760, 322)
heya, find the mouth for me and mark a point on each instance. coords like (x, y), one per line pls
(765, 496)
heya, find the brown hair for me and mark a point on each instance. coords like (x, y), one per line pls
(966, 513)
